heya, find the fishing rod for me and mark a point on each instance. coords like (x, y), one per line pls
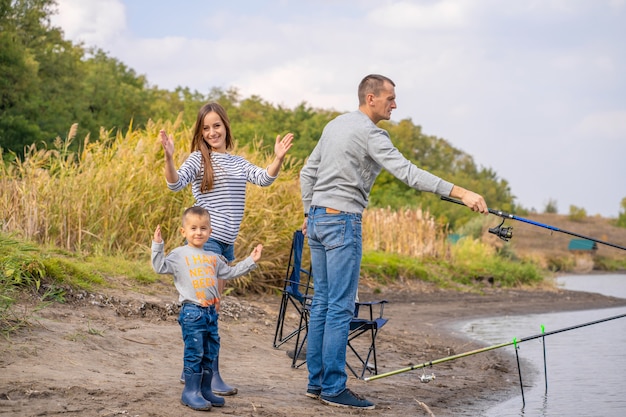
(515, 341)
(506, 233)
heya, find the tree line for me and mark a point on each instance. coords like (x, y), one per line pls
(48, 83)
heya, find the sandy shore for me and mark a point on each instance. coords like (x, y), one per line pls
(121, 354)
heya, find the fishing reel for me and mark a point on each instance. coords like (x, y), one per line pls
(504, 233)
(425, 378)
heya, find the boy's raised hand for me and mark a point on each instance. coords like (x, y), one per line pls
(157, 234)
(256, 253)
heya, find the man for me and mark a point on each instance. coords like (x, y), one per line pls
(336, 182)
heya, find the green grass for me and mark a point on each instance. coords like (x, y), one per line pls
(387, 268)
(474, 261)
(472, 264)
(137, 272)
(21, 266)
(610, 264)
(45, 274)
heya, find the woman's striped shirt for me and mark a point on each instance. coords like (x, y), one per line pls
(226, 200)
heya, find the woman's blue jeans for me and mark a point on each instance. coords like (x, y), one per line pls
(227, 250)
(335, 243)
(202, 340)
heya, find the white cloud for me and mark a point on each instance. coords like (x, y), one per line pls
(418, 15)
(532, 89)
(297, 82)
(95, 22)
(609, 126)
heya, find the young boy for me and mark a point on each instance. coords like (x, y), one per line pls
(195, 275)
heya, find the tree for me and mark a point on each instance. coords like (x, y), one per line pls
(577, 214)
(112, 95)
(18, 80)
(39, 75)
(621, 219)
(551, 207)
(47, 84)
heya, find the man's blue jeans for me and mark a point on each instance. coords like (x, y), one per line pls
(335, 243)
(201, 337)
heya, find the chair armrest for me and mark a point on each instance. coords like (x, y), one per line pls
(370, 305)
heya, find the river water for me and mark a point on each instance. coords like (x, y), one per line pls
(585, 367)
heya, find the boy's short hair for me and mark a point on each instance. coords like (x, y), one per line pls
(197, 211)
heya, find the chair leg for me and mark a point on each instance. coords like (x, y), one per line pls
(280, 322)
(373, 352)
(300, 343)
(364, 359)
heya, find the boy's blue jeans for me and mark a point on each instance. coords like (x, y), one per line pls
(335, 243)
(202, 341)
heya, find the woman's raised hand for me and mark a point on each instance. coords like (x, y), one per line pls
(283, 145)
(168, 142)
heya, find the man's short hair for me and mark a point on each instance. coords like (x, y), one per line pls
(372, 84)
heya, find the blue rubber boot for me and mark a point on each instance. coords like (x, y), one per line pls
(219, 386)
(207, 393)
(192, 395)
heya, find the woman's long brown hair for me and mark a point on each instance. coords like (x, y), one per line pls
(199, 144)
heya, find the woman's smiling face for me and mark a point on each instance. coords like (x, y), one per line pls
(214, 132)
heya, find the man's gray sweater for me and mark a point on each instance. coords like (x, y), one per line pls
(351, 152)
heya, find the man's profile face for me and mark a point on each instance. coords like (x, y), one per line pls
(384, 103)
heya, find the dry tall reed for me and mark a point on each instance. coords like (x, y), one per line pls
(108, 199)
(409, 232)
(104, 199)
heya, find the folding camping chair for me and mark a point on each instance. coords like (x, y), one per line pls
(298, 291)
(369, 326)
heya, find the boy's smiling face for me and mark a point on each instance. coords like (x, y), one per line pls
(196, 229)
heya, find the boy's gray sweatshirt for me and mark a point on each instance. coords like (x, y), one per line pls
(196, 271)
(351, 152)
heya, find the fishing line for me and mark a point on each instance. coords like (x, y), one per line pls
(506, 233)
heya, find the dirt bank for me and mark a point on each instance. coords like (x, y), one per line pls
(122, 355)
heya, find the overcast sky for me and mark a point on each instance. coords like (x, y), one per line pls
(534, 89)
